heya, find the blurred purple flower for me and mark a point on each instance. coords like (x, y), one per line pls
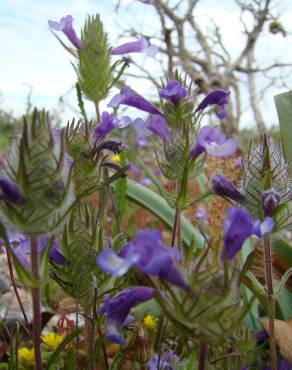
(261, 335)
(148, 254)
(9, 191)
(224, 187)
(141, 45)
(145, 181)
(216, 97)
(132, 99)
(238, 162)
(270, 200)
(211, 140)
(158, 126)
(134, 169)
(173, 92)
(107, 123)
(116, 310)
(238, 227)
(65, 25)
(201, 214)
(167, 361)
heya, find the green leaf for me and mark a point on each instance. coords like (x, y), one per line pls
(80, 101)
(44, 258)
(24, 276)
(155, 204)
(284, 109)
(283, 282)
(283, 251)
(70, 359)
(96, 350)
(256, 286)
(153, 177)
(59, 349)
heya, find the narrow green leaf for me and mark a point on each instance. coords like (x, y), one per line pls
(80, 101)
(44, 258)
(283, 251)
(256, 286)
(153, 177)
(284, 109)
(283, 282)
(71, 359)
(24, 276)
(96, 350)
(155, 204)
(59, 349)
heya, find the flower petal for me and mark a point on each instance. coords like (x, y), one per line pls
(222, 150)
(108, 261)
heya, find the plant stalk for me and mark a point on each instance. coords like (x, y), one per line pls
(176, 226)
(13, 282)
(36, 303)
(203, 349)
(271, 299)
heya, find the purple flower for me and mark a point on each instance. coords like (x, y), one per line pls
(224, 187)
(167, 361)
(117, 309)
(270, 200)
(148, 254)
(9, 191)
(211, 140)
(216, 97)
(158, 126)
(134, 169)
(201, 214)
(65, 25)
(141, 45)
(238, 227)
(173, 92)
(107, 124)
(261, 335)
(238, 162)
(284, 365)
(132, 99)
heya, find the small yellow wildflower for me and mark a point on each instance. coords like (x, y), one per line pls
(116, 158)
(52, 340)
(26, 355)
(149, 322)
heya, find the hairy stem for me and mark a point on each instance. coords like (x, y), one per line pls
(176, 226)
(271, 299)
(36, 303)
(12, 278)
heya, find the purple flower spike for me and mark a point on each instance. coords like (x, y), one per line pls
(270, 200)
(221, 186)
(237, 228)
(216, 97)
(10, 191)
(65, 25)
(158, 126)
(173, 92)
(141, 45)
(117, 309)
(148, 254)
(166, 362)
(132, 99)
(107, 124)
(211, 140)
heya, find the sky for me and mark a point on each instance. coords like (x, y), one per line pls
(33, 61)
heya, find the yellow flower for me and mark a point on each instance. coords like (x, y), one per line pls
(149, 322)
(26, 355)
(52, 340)
(116, 158)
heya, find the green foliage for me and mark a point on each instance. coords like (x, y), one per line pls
(94, 71)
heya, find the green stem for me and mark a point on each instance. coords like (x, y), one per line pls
(36, 303)
(271, 299)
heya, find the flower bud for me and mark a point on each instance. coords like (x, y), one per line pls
(221, 186)
(270, 200)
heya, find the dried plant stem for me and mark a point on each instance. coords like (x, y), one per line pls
(89, 334)
(12, 278)
(271, 299)
(203, 349)
(36, 303)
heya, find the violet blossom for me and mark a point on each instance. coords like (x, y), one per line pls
(167, 361)
(216, 97)
(141, 45)
(10, 191)
(238, 227)
(270, 200)
(116, 310)
(148, 254)
(107, 123)
(128, 97)
(158, 126)
(173, 92)
(211, 140)
(65, 25)
(224, 187)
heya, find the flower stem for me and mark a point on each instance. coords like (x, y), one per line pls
(202, 355)
(36, 303)
(176, 226)
(271, 299)
(12, 278)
